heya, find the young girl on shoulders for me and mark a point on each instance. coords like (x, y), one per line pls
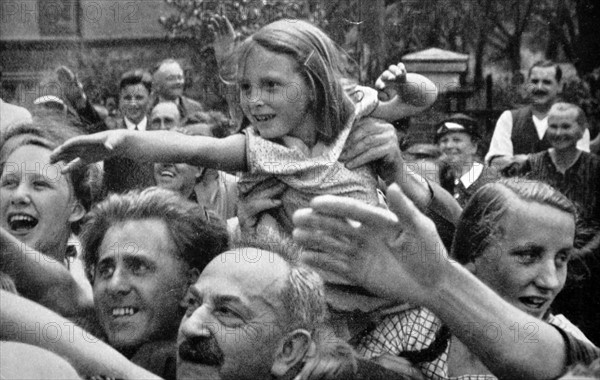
(299, 108)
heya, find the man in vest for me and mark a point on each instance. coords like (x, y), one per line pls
(521, 131)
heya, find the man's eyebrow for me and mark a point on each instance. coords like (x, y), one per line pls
(130, 257)
(534, 248)
(236, 301)
(228, 299)
(105, 260)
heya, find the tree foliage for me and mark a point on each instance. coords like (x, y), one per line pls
(377, 33)
(192, 16)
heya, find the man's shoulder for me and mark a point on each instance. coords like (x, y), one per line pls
(523, 111)
(191, 105)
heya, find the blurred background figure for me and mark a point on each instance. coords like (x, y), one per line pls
(462, 173)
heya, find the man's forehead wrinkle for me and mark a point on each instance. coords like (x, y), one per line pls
(270, 294)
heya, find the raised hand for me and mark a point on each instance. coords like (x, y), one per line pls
(72, 88)
(83, 150)
(224, 37)
(390, 82)
(394, 255)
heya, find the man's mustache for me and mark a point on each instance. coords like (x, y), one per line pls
(202, 351)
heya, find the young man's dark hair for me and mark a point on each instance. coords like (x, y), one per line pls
(134, 77)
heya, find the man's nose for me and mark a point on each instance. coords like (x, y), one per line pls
(199, 324)
(119, 282)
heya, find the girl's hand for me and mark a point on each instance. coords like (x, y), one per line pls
(224, 37)
(83, 150)
(398, 256)
(391, 81)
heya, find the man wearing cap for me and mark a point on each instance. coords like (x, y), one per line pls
(522, 131)
(458, 138)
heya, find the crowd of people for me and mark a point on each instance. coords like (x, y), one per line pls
(294, 239)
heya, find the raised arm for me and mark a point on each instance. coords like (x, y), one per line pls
(75, 95)
(228, 154)
(403, 94)
(400, 256)
(223, 38)
(21, 321)
(41, 278)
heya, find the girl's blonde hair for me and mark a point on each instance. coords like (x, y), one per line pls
(319, 62)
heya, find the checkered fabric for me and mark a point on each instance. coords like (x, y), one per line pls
(415, 329)
(411, 330)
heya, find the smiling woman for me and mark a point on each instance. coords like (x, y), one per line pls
(41, 208)
(517, 238)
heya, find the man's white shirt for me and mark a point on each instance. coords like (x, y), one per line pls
(501, 144)
(141, 126)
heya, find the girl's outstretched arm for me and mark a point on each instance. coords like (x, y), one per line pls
(228, 154)
(403, 94)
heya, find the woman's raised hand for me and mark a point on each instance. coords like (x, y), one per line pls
(396, 255)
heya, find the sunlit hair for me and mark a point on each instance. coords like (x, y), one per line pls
(562, 107)
(160, 64)
(479, 222)
(547, 63)
(137, 76)
(318, 61)
(49, 133)
(199, 236)
(303, 295)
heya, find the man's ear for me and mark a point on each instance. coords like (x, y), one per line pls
(192, 277)
(77, 212)
(291, 351)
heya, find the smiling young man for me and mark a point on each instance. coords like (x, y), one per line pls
(142, 250)
(521, 131)
(135, 87)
